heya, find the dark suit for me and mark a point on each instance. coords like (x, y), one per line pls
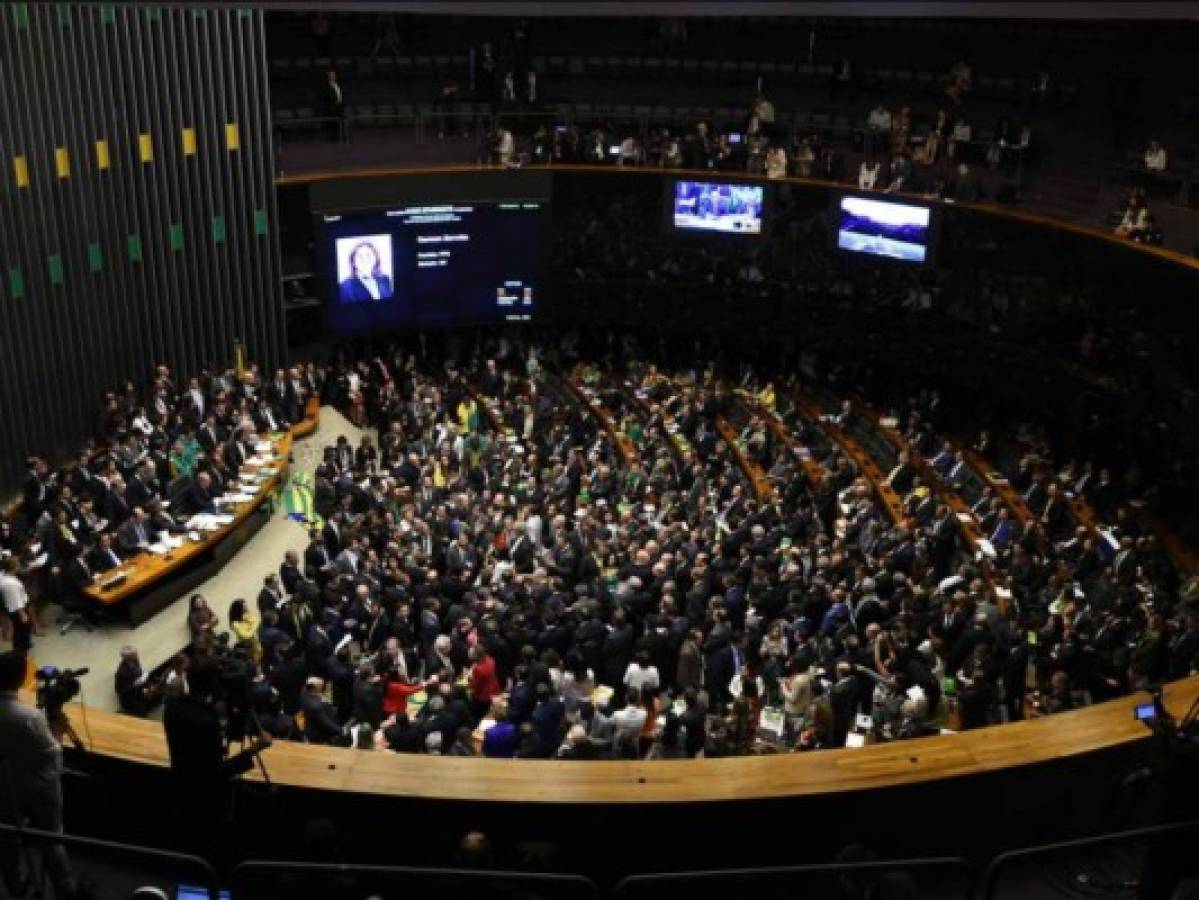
(352, 290)
(200, 499)
(200, 771)
(290, 576)
(132, 535)
(116, 510)
(130, 692)
(103, 560)
(320, 723)
(78, 576)
(138, 493)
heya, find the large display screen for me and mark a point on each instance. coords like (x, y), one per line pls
(724, 208)
(432, 266)
(881, 228)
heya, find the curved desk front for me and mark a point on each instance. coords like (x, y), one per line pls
(788, 776)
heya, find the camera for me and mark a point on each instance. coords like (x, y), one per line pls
(56, 688)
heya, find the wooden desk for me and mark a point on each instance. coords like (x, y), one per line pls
(588, 399)
(813, 469)
(995, 480)
(679, 445)
(865, 463)
(491, 411)
(1000, 747)
(967, 523)
(149, 579)
(762, 488)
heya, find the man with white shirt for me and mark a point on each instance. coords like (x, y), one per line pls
(16, 604)
(628, 722)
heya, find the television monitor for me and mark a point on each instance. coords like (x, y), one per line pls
(716, 207)
(428, 266)
(196, 892)
(884, 228)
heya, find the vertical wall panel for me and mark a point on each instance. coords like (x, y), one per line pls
(109, 261)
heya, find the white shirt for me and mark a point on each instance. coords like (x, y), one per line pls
(13, 593)
(628, 723)
(637, 677)
(1156, 161)
(372, 286)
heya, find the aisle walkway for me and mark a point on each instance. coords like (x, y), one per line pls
(166, 633)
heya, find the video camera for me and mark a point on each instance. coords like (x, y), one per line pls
(56, 688)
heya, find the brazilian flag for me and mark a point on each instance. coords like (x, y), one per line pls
(299, 501)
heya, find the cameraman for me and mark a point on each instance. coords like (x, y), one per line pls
(30, 780)
(202, 772)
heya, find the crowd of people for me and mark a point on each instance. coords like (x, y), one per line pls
(494, 575)
(162, 455)
(928, 153)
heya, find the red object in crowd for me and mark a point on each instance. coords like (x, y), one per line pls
(483, 681)
(395, 699)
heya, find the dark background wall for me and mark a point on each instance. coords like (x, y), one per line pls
(127, 239)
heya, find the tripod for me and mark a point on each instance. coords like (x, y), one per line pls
(61, 727)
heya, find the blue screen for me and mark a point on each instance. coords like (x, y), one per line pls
(433, 265)
(188, 892)
(724, 208)
(880, 228)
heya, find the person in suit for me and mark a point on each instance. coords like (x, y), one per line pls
(271, 594)
(1004, 532)
(78, 573)
(201, 497)
(290, 573)
(268, 418)
(135, 691)
(161, 520)
(134, 535)
(200, 770)
(116, 507)
(208, 434)
(320, 718)
(367, 281)
(331, 534)
(102, 557)
(35, 489)
(143, 485)
(317, 557)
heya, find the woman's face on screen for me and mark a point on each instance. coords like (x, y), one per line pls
(365, 260)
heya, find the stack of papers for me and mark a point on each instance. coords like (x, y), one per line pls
(203, 522)
(263, 448)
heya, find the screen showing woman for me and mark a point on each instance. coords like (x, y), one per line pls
(364, 269)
